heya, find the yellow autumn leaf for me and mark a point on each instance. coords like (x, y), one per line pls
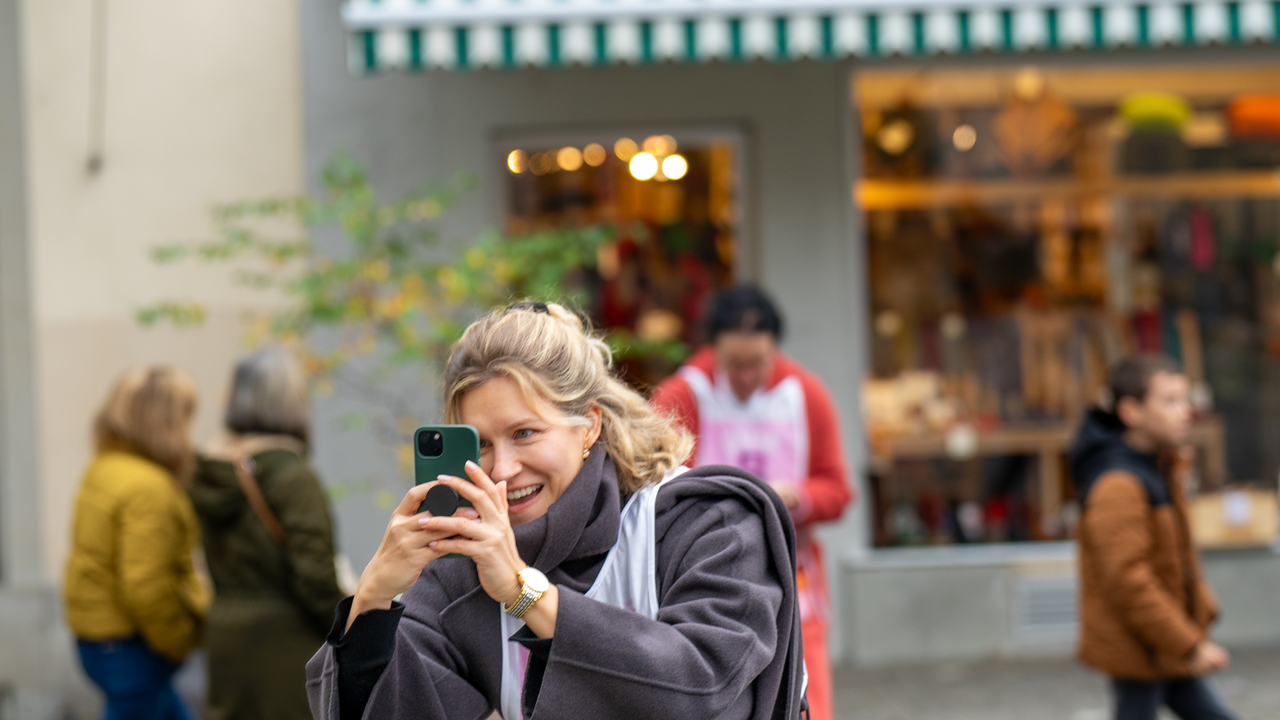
(378, 271)
(475, 258)
(385, 499)
(404, 457)
(412, 286)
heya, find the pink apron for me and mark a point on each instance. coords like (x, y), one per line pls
(768, 436)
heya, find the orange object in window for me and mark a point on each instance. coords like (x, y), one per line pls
(1254, 116)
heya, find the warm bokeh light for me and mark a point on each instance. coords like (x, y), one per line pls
(542, 163)
(964, 138)
(1028, 84)
(594, 154)
(643, 166)
(625, 149)
(660, 145)
(569, 159)
(674, 167)
(517, 161)
(895, 136)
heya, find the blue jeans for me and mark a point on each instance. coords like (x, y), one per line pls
(1189, 698)
(135, 679)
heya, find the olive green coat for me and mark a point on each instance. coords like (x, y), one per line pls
(272, 605)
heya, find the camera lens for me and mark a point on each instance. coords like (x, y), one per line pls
(430, 444)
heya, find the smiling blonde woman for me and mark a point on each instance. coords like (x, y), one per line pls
(600, 578)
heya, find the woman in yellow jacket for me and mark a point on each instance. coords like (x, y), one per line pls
(132, 596)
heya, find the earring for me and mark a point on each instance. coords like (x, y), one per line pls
(586, 452)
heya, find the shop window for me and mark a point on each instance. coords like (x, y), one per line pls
(1025, 229)
(671, 202)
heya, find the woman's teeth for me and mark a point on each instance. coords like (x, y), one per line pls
(514, 495)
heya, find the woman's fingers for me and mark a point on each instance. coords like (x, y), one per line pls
(456, 546)
(497, 491)
(482, 498)
(417, 536)
(450, 526)
(413, 499)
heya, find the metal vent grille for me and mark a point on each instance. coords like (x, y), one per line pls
(1047, 608)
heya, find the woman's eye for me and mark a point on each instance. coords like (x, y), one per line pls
(484, 444)
(524, 434)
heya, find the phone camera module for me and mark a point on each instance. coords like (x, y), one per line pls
(430, 444)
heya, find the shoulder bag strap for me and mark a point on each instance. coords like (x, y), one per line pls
(249, 485)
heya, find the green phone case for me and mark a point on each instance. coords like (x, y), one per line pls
(460, 443)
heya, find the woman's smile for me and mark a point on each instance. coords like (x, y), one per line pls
(520, 499)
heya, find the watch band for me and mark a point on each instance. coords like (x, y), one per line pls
(527, 598)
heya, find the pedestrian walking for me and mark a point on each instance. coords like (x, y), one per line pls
(601, 579)
(132, 596)
(268, 541)
(1145, 608)
(750, 406)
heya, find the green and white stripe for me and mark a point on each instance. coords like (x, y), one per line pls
(461, 34)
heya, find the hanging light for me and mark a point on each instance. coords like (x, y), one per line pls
(895, 136)
(542, 163)
(660, 145)
(594, 155)
(964, 138)
(675, 166)
(569, 159)
(625, 149)
(643, 166)
(517, 161)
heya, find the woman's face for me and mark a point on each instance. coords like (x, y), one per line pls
(536, 453)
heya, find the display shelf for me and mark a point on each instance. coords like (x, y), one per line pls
(873, 194)
(1050, 444)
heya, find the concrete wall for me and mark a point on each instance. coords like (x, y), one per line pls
(960, 604)
(412, 128)
(33, 662)
(202, 104)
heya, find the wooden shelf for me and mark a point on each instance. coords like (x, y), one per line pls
(1050, 443)
(871, 194)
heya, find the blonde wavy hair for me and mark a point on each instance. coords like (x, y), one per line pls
(545, 349)
(148, 413)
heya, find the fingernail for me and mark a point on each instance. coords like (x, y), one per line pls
(471, 464)
(423, 522)
(442, 478)
(432, 543)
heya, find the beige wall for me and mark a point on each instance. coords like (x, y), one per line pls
(203, 105)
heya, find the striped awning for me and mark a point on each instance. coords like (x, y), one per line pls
(461, 34)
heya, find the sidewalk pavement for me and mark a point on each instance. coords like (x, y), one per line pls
(1030, 690)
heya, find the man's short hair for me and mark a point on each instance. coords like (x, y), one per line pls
(743, 308)
(1131, 377)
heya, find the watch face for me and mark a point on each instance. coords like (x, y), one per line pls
(536, 581)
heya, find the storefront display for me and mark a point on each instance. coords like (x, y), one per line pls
(671, 202)
(1025, 229)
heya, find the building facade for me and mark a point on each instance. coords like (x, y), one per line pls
(117, 134)
(820, 138)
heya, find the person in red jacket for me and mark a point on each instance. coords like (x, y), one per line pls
(750, 406)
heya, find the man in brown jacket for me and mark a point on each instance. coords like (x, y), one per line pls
(1144, 607)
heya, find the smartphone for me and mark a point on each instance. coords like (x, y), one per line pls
(444, 450)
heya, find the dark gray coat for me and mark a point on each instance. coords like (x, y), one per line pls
(726, 643)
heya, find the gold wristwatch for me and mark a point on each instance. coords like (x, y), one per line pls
(533, 585)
